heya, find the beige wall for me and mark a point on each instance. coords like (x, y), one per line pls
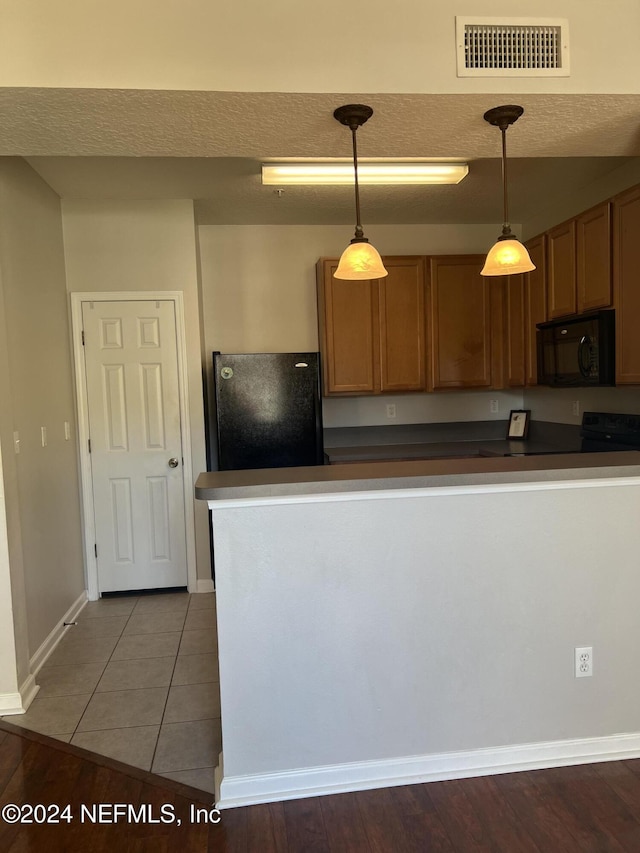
(137, 246)
(284, 47)
(9, 679)
(259, 295)
(259, 285)
(14, 640)
(561, 208)
(41, 483)
(430, 408)
(555, 404)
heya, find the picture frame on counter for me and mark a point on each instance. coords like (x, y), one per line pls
(519, 423)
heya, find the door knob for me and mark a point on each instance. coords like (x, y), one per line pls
(173, 463)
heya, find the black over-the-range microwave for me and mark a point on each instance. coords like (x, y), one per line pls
(578, 350)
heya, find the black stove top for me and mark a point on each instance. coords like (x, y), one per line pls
(602, 431)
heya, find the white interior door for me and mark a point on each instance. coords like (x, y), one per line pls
(136, 444)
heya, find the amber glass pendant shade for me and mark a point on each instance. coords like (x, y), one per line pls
(507, 257)
(360, 260)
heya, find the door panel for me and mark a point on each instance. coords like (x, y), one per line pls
(134, 422)
(348, 315)
(515, 291)
(402, 326)
(461, 317)
(593, 245)
(561, 283)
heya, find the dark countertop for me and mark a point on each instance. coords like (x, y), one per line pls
(441, 440)
(443, 449)
(269, 483)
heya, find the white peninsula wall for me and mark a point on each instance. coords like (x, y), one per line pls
(389, 635)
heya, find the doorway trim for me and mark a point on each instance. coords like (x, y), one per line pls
(86, 484)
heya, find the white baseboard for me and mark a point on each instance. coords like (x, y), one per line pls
(339, 778)
(218, 775)
(11, 703)
(49, 644)
(205, 586)
(17, 703)
(28, 691)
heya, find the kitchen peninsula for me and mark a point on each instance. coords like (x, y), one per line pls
(384, 623)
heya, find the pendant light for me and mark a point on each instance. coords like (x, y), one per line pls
(360, 260)
(508, 256)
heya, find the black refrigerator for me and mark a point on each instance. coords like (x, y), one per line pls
(267, 410)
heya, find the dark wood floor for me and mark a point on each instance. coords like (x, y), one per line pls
(567, 810)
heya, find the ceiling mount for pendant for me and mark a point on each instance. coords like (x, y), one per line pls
(353, 115)
(503, 116)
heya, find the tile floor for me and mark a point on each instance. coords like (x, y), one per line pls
(137, 680)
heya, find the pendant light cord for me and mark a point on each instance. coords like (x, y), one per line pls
(506, 226)
(359, 230)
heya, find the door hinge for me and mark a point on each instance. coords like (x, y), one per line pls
(83, 337)
(95, 549)
(89, 443)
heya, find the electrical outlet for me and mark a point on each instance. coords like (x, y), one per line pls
(575, 408)
(584, 662)
(494, 406)
(391, 410)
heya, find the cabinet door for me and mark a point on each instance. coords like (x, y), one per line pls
(626, 264)
(459, 306)
(561, 283)
(402, 325)
(593, 243)
(515, 312)
(347, 318)
(535, 304)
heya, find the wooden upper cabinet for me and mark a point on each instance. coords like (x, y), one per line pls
(372, 333)
(460, 317)
(347, 317)
(626, 292)
(402, 325)
(515, 326)
(561, 282)
(593, 268)
(535, 310)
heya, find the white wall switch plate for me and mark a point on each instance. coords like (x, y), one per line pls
(67, 430)
(16, 443)
(43, 436)
(391, 410)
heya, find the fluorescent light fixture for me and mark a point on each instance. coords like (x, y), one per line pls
(380, 172)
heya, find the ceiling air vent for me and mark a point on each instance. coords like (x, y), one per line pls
(512, 47)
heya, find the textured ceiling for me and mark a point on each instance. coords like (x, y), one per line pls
(229, 190)
(90, 143)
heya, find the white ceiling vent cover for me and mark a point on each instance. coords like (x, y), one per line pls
(512, 47)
